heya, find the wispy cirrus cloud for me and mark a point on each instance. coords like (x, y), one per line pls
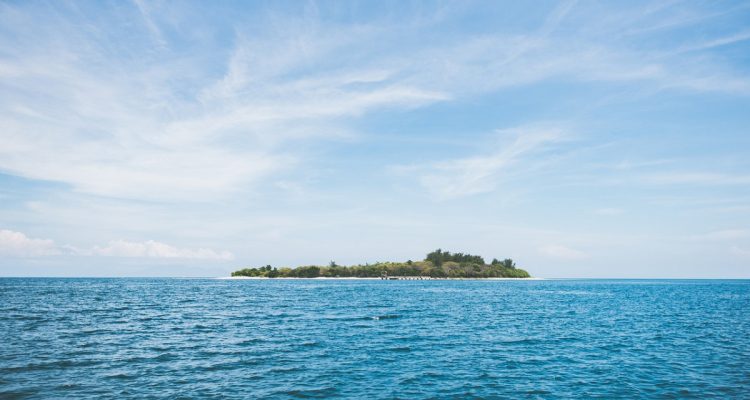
(481, 173)
(257, 123)
(121, 127)
(696, 178)
(717, 42)
(142, 119)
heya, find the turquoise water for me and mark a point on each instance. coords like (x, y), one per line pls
(188, 338)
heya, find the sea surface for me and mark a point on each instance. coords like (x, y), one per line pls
(371, 339)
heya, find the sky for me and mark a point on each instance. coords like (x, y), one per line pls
(581, 139)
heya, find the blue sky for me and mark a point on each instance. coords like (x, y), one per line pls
(582, 139)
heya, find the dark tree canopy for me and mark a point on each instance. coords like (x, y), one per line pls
(437, 264)
(438, 257)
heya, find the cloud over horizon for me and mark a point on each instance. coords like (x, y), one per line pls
(290, 132)
(17, 244)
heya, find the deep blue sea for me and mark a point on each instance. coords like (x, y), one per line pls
(208, 338)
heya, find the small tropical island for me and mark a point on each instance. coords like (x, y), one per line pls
(438, 264)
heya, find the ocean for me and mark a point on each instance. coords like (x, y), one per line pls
(372, 339)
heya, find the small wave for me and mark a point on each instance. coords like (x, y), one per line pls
(420, 378)
(321, 393)
(386, 316)
(343, 318)
(571, 292)
(119, 376)
(68, 386)
(362, 318)
(228, 366)
(57, 364)
(518, 340)
(248, 342)
(164, 357)
(537, 392)
(285, 370)
(21, 317)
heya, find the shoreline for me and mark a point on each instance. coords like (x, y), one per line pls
(343, 278)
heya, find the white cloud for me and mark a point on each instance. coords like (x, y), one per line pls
(701, 178)
(563, 252)
(738, 251)
(479, 174)
(722, 41)
(219, 117)
(140, 120)
(156, 34)
(629, 165)
(135, 134)
(16, 244)
(153, 249)
(723, 235)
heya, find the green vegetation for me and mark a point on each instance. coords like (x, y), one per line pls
(438, 264)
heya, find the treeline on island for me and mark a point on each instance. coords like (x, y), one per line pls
(438, 264)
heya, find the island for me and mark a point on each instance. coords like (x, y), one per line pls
(436, 265)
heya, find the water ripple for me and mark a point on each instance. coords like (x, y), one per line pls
(136, 338)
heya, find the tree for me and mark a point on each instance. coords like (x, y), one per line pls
(436, 257)
(311, 271)
(438, 263)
